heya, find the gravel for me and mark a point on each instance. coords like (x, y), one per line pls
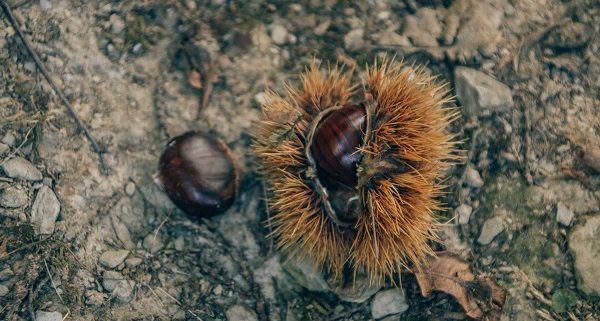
(481, 94)
(392, 301)
(112, 259)
(117, 285)
(491, 228)
(463, 213)
(44, 210)
(20, 168)
(472, 177)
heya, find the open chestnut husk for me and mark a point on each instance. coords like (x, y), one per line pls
(198, 173)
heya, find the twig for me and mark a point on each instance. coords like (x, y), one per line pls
(58, 91)
(210, 78)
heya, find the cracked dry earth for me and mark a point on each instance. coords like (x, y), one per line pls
(78, 245)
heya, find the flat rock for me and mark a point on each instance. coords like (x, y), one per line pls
(13, 197)
(481, 94)
(472, 177)
(584, 242)
(3, 148)
(279, 34)
(48, 316)
(306, 275)
(153, 243)
(392, 301)
(564, 215)
(20, 168)
(112, 259)
(354, 40)
(463, 213)
(115, 283)
(491, 228)
(357, 292)
(240, 312)
(44, 210)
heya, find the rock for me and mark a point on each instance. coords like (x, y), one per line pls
(261, 98)
(117, 285)
(423, 28)
(322, 27)
(353, 40)
(44, 210)
(564, 215)
(10, 139)
(122, 232)
(481, 94)
(45, 5)
(240, 312)
(584, 242)
(133, 262)
(6, 274)
(20, 168)
(392, 301)
(153, 243)
(357, 292)
(463, 212)
(568, 36)
(279, 34)
(218, 290)
(130, 189)
(306, 275)
(491, 228)
(117, 25)
(3, 148)
(3, 290)
(472, 177)
(48, 316)
(13, 198)
(591, 158)
(112, 259)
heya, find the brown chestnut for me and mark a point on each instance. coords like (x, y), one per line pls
(198, 173)
(335, 145)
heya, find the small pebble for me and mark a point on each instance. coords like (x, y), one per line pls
(44, 210)
(3, 290)
(353, 40)
(117, 25)
(218, 290)
(240, 312)
(392, 301)
(279, 34)
(20, 168)
(9, 139)
(13, 198)
(6, 274)
(133, 262)
(130, 189)
(115, 283)
(111, 259)
(153, 243)
(48, 316)
(491, 228)
(472, 177)
(463, 212)
(564, 215)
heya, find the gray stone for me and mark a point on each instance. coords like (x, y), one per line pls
(45, 5)
(472, 177)
(112, 259)
(585, 244)
(240, 312)
(20, 168)
(279, 34)
(3, 148)
(3, 290)
(9, 139)
(117, 285)
(133, 262)
(122, 232)
(6, 274)
(491, 228)
(48, 316)
(463, 213)
(13, 198)
(353, 40)
(44, 210)
(481, 94)
(306, 275)
(117, 25)
(358, 291)
(423, 28)
(153, 243)
(564, 215)
(392, 301)
(130, 189)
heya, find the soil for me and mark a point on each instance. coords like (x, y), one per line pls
(141, 72)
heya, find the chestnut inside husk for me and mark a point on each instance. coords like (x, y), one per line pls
(198, 173)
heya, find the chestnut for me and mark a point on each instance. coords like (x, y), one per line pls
(198, 173)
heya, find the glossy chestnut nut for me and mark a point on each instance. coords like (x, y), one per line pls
(335, 145)
(198, 173)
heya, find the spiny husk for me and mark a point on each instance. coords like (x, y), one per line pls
(409, 130)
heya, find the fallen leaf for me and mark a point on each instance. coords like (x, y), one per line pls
(481, 298)
(195, 79)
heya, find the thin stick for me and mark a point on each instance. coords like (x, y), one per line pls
(58, 91)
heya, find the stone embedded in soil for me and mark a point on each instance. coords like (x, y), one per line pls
(6, 274)
(392, 301)
(153, 243)
(20, 168)
(463, 213)
(564, 215)
(481, 94)
(122, 232)
(240, 312)
(472, 177)
(3, 290)
(48, 316)
(44, 210)
(279, 34)
(112, 259)
(491, 228)
(353, 40)
(115, 283)
(306, 275)
(423, 28)
(3, 148)
(13, 197)
(357, 292)
(584, 242)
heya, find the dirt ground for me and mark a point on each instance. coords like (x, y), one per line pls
(80, 245)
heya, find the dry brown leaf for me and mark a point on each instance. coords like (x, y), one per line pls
(195, 79)
(481, 298)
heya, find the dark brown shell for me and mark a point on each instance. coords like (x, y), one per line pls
(198, 173)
